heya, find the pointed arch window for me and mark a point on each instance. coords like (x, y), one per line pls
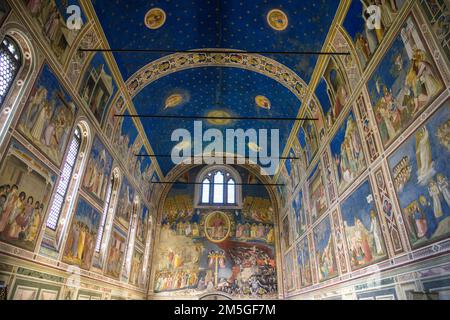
(66, 177)
(218, 187)
(231, 191)
(218, 193)
(10, 63)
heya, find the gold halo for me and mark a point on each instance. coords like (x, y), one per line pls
(155, 18)
(207, 227)
(183, 145)
(263, 102)
(254, 147)
(173, 100)
(277, 19)
(219, 113)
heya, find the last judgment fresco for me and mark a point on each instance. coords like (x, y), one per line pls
(229, 250)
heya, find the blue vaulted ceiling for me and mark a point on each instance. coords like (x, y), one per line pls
(228, 24)
(208, 89)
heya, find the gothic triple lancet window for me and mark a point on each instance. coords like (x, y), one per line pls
(10, 63)
(218, 187)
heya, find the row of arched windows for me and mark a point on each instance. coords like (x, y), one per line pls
(65, 192)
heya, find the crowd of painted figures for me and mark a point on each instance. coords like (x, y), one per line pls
(417, 211)
(20, 215)
(253, 273)
(255, 231)
(81, 244)
(167, 281)
(402, 173)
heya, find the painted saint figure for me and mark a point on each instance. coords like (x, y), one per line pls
(375, 231)
(442, 183)
(435, 194)
(423, 155)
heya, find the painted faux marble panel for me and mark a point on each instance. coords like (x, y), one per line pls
(420, 170)
(404, 83)
(82, 235)
(26, 186)
(48, 116)
(362, 228)
(325, 254)
(347, 152)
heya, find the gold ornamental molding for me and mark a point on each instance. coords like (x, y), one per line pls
(183, 61)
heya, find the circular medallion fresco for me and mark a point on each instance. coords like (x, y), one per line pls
(155, 18)
(217, 226)
(262, 102)
(277, 20)
(219, 114)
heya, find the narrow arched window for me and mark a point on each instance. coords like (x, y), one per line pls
(106, 209)
(231, 192)
(218, 188)
(206, 185)
(66, 176)
(10, 63)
